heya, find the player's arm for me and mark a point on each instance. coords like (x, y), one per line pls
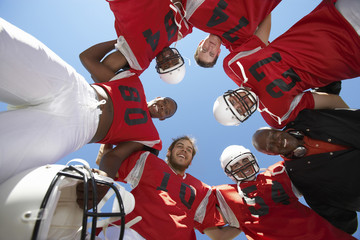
(263, 30)
(102, 69)
(222, 233)
(101, 191)
(112, 159)
(104, 148)
(328, 101)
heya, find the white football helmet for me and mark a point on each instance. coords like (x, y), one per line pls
(229, 115)
(170, 66)
(239, 163)
(40, 203)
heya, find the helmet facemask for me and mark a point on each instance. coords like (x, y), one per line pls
(246, 103)
(170, 66)
(90, 215)
(242, 167)
(168, 60)
(42, 203)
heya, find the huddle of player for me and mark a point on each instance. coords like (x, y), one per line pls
(272, 78)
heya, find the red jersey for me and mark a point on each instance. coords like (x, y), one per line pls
(170, 205)
(132, 120)
(319, 49)
(234, 21)
(267, 208)
(146, 27)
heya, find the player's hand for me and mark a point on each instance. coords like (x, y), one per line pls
(101, 191)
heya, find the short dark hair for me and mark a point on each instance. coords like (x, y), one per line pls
(176, 106)
(202, 63)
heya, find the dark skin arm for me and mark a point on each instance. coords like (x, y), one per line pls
(112, 160)
(104, 148)
(102, 69)
(222, 233)
(101, 191)
(109, 165)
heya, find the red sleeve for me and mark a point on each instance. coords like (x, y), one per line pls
(251, 44)
(127, 166)
(213, 217)
(306, 102)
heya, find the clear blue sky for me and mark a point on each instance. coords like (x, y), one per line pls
(70, 26)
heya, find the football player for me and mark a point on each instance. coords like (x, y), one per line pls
(56, 111)
(296, 61)
(170, 201)
(169, 63)
(317, 146)
(144, 30)
(265, 205)
(230, 23)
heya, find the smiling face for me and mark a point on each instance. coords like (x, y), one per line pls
(274, 142)
(239, 164)
(242, 102)
(241, 106)
(162, 107)
(181, 155)
(243, 168)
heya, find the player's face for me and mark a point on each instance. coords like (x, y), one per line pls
(163, 63)
(247, 168)
(181, 155)
(209, 48)
(162, 108)
(238, 105)
(274, 142)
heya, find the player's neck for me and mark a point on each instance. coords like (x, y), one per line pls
(178, 171)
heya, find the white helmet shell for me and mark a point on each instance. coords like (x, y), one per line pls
(40, 203)
(233, 154)
(226, 114)
(223, 113)
(174, 76)
(176, 72)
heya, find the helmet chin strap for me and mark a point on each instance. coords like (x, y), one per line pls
(242, 71)
(188, 60)
(240, 192)
(249, 201)
(265, 109)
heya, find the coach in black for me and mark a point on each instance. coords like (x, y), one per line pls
(321, 149)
